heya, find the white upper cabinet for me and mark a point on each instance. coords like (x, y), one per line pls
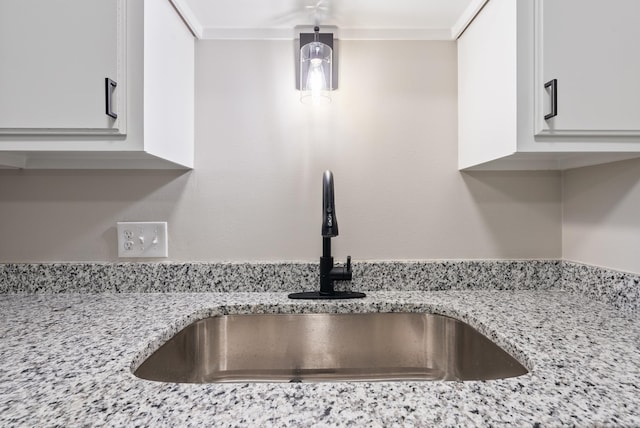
(95, 84)
(516, 54)
(56, 57)
(591, 49)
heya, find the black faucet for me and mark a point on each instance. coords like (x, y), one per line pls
(329, 272)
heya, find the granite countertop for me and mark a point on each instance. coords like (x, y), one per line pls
(67, 359)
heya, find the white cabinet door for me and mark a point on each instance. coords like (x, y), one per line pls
(592, 49)
(54, 58)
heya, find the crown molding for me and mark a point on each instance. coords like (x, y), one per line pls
(467, 17)
(189, 17)
(212, 33)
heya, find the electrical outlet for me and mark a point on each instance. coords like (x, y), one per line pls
(143, 239)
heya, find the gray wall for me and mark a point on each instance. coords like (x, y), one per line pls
(389, 136)
(601, 215)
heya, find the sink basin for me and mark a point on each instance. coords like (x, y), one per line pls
(328, 347)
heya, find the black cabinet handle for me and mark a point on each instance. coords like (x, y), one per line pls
(109, 87)
(553, 84)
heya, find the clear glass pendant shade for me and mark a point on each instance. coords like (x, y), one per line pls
(315, 73)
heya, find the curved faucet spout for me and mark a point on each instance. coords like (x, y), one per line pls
(329, 221)
(328, 272)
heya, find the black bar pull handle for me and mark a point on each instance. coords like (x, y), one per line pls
(553, 84)
(109, 87)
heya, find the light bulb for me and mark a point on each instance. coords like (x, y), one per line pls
(316, 80)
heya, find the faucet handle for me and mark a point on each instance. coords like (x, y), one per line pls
(348, 263)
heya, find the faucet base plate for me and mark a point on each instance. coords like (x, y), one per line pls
(316, 295)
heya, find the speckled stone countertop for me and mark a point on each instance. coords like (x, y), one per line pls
(67, 359)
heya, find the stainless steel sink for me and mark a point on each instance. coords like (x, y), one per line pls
(328, 347)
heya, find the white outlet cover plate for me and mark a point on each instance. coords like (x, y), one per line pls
(143, 239)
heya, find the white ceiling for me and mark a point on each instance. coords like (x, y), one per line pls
(351, 19)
